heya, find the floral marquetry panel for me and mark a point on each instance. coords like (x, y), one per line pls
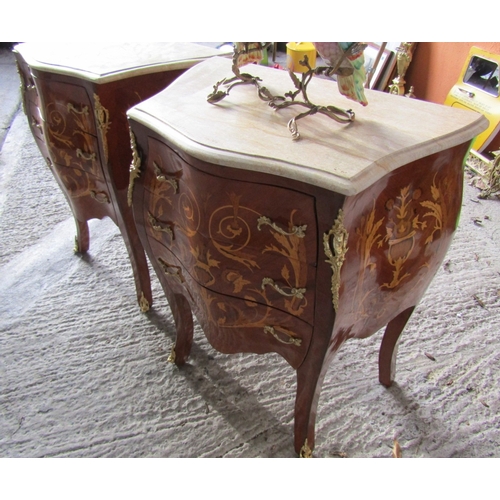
(399, 231)
(231, 324)
(69, 118)
(295, 246)
(251, 241)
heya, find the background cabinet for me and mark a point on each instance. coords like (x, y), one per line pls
(76, 98)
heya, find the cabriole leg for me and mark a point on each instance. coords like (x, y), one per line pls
(389, 347)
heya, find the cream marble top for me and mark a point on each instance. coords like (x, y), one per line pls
(243, 132)
(105, 62)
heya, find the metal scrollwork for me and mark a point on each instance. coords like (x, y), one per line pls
(135, 168)
(290, 338)
(83, 111)
(172, 271)
(85, 156)
(102, 117)
(158, 226)
(299, 231)
(245, 52)
(294, 292)
(161, 177)
(171, 356)
(305, 451)
(143, 303)
(335, 246)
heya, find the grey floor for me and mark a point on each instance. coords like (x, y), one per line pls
(84, 374)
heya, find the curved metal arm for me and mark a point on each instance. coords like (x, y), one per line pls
(162, 177)
(83, 111)
(289, 340)
(294, 292)
(299, 231)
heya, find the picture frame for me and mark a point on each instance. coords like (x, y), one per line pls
(377, 60)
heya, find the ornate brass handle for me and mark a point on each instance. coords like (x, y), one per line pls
(290, 338)
(100, 197)
(161, 177)
(175, 273)
(299, 231)
(158, 226)
(294, 292)
(85, 156)
(335, 246)
(34, 123)
(83, 111)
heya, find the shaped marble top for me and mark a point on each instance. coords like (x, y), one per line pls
(242, 131)
(105, 62)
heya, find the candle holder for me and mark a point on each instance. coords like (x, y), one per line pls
(245, 51)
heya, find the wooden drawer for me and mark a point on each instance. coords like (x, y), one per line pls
(233, 324)
(85, 189)
(78, 150)
(70, 124)
(231, 240)
(67, 108)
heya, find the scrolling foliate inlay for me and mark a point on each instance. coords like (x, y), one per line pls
(387, 244)
(335, 246)
(225, 244)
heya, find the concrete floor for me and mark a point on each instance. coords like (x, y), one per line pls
(84, 381)
(10, 94)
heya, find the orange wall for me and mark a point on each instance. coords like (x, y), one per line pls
(436, 66)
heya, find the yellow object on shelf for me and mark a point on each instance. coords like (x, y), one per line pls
(477, 89)
(295, 52)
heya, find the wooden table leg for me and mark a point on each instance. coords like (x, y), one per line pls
(82, 238)
(389, 347)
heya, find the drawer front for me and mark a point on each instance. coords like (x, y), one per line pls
(256, 242)
(70, 123)
(80, 185)
(232, 324)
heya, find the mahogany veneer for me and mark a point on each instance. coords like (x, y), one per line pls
(75, 97)
(294, 247)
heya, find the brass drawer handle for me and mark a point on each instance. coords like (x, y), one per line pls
(161, 177)
(158, 226)
(294, 292)
(171, 271)
(83, 111)
(100, 197)
(85, 156)
(34, 123)
(299, 231)
(290, 338)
